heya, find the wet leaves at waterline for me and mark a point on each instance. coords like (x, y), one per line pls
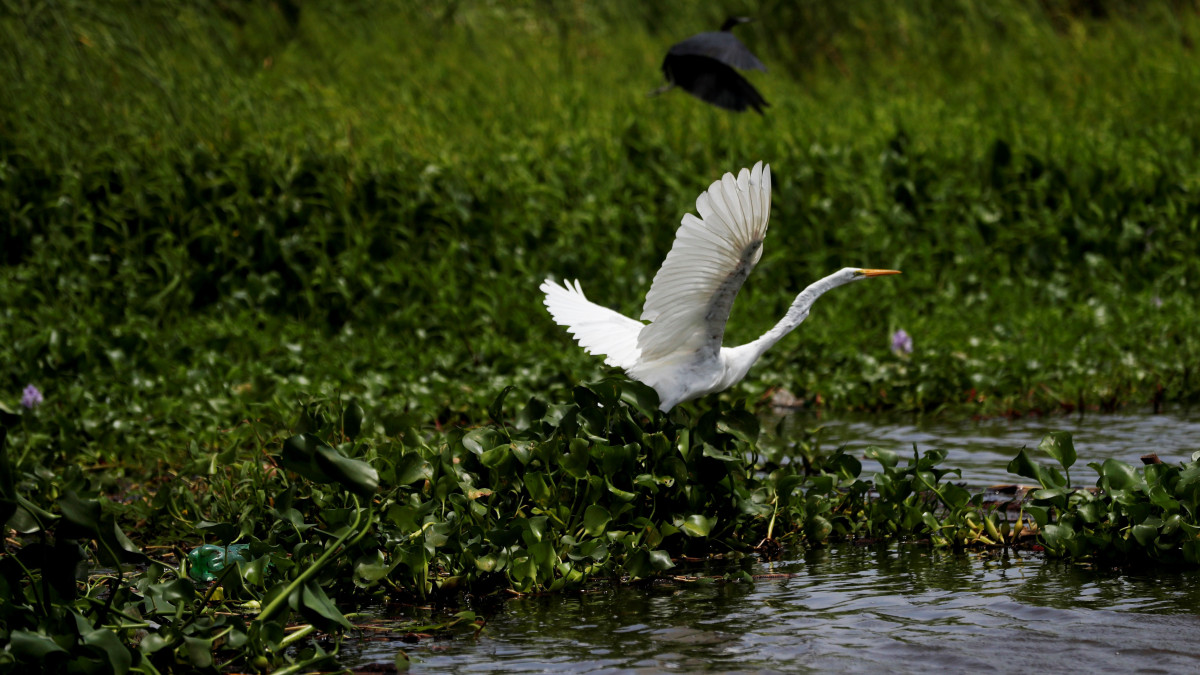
(599, 489)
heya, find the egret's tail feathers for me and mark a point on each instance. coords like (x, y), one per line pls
(597, 329)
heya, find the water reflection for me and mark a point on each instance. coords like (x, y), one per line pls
(982, 449)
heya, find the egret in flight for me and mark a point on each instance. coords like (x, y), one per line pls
(679, 352)
(704, 66)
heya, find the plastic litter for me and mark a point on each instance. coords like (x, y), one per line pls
(205, 563)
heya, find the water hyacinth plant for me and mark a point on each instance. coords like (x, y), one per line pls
(31, 397)
(601, 488)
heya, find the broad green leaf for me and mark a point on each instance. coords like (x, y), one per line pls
(495, 457)
(538, 487)
(30, 646)
(1145, 534)
(317, 603)
(321, 463)
(1058, 444)
(1023, 465)
(955, 495)
(595, 519)
(199, 651)
(1055, 536)
(697, 525)
(661, 560)
(886, 458)
(1120, 475)
(818, 528)
(412, 467)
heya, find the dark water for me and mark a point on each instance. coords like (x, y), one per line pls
(983, 449)
(885, 608)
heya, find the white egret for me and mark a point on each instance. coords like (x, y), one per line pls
(679, 353)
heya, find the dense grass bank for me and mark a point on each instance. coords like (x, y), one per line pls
(209, 212)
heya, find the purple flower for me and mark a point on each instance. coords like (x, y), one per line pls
(901, 342)
(31, 397)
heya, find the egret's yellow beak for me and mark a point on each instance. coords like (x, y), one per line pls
(876, 273)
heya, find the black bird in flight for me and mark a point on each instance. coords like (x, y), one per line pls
(704, 66)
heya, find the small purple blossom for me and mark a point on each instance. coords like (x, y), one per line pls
(902, 342)
(31, 397)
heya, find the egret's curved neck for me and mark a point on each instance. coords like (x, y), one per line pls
(796, 314)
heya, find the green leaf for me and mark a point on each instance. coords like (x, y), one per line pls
(481, 439)
(1055, 536)
(742, 424)
(931, 521)
(31, 646)
(84, 514)
(660, 560)
(321, 463)
(534, 411)
(496, 409)
(622, 495)
(1040, 515)
(1120, 475)
(697, 525)
(352, 420)
(1145, 534)
(370, 568)
(575, 462)
(1058, 444)
(314, 600)
(412, 467)
(595, 519)
(199, 651)
(955, 495)
(818, 528)
(495, 457)
(886, 458)
(1023, 465)
(538, 488)
(644, 398)
(787, 484)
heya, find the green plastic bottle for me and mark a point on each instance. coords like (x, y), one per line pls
(206, 562)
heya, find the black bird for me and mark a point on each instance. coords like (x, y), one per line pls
(704, 66)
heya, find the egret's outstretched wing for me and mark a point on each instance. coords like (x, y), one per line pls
(599, 330)
(689, 301)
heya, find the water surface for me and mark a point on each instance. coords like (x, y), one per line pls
(982, 449)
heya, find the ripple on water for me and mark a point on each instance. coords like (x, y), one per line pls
(983, 448)
(847, 608)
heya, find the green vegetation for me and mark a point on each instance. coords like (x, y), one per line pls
(605, 489)
(275, 268)
(204, 214)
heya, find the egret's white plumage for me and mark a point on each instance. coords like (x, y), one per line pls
(679, 352)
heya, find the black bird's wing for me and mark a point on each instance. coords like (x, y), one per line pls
(721, 46)
(711, 80)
